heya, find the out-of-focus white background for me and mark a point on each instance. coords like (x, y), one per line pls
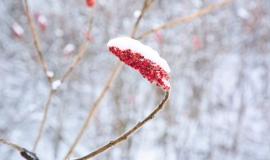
(219, 106)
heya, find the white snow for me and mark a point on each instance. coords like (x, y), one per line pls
(50, 74)
(42, 19)
(147, 52)
(137, 13)
(17, 29)
(56, 84)
(243, 13)
(59, 32)
(69, 48)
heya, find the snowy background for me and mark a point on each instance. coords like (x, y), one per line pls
(220, 102)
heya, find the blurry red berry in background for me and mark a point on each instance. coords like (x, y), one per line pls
(197, 42)
(159, 37)
(41, 21)
(90, 3)
(17, 30)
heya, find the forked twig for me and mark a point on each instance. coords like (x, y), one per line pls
(36, 41)
(93, 108)
(187, 19)
(26, 154)
(128, 133)
(146, 6)
(66, 74)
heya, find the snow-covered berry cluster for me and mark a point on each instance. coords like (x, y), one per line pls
(143, 59)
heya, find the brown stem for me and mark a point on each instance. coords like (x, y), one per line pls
(127, 134)
(36, 40)
(146, 6)
(26, 154)
(52, 92)
(76, 61)
(44, 119)
(80, 54)
(187, 19)
(12, 145)
(93, 108)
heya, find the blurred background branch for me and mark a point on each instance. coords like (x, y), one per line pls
(125, 136)
(187, 19)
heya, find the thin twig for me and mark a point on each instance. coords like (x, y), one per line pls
(93, 108)
(146, 6)
(26, 154)
(80, 54)
(44, 119)
(52, 92)
(128, 133)
(187, 19)
(12, 145)
(76, 61)
(36, 41)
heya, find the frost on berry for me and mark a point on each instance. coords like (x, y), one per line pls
(42, 22)
(56, 84)
(17, 30)
(151, 67)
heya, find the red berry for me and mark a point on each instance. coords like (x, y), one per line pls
(159, 37)
(149, 70)
(42, 22)
(90, 3)
(197, 42)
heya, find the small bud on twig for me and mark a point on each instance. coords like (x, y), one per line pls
(28, 155)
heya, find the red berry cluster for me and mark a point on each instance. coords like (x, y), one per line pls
(149, 70)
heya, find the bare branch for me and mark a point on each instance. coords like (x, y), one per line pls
(26, 154)
(36, 40)
(187, 19)
(52, 92)
(127, 134)
(76, 61)
(93, 108)
(80, 54)
(44, 119)
(146, 6)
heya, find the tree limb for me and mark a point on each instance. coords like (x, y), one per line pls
(187, 19)
(127, 134)
(93, 108)
(26, 154)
